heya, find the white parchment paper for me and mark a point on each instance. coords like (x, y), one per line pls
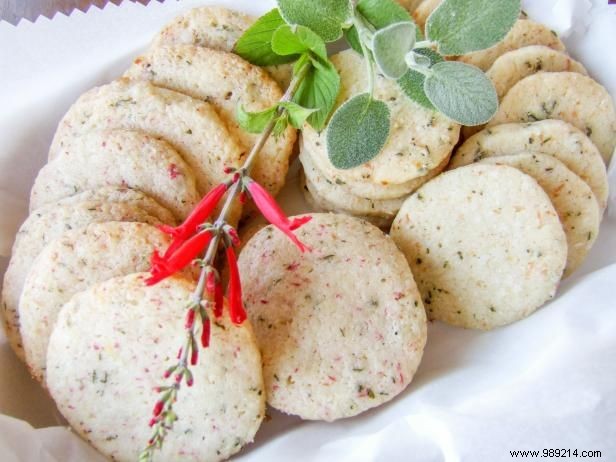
(548, 381)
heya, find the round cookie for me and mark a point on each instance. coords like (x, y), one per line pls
(552, 137)
(333, 343)
(484, 243)
(119, 157)
(419, 140)
(572, 198)
(72, 263)
(567, 96)
(192, 127)
(40, 228)
(110, 348)
(227, 82)
(523, 33)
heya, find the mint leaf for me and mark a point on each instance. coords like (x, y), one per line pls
(412, 83)
(462, 26)
(319, 91)
(325, 17)
(352, 38)
(297, 114)
(461, 92)
(294, 40)
(390, 46)
(357, 132)
(255, 44)
(255, 122)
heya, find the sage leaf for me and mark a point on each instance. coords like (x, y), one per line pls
(319, 91)
(390, 46)
(357, 132)
(255, 45)
(461, 92)
(296, 40)
(412, 82)
(255, 122)
(462, 26)
(325, 17)
(297, 114)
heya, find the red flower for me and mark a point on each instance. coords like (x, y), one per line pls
(165, 266)
(218, 299)
(205, 333)
(237, 313)
(272, 212)
(196, 218)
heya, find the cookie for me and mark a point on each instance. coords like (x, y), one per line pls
(567, 96)
(552, 137)
(419, 140)
(484, 243)
(118, 157)
(42, 227)
(228, 83)
(334, 343)
(191, 127)
(110, 348)
(572, 198)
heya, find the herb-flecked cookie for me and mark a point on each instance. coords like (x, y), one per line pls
(573, 200)
(42, 227)
(567, 96)
(191, 127)
(419, 139)
(118, 157)
(72, 263)
(109, 350)
(552, 137)
(227, 82)
(341, 328)
(485, 245)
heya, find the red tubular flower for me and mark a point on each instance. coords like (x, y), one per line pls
(158, 408)
(163, 267)
(194, 356)
(196, 218)
(205, 333)
(190, 318)
(218, 299)
(237, 313)
(272, 212)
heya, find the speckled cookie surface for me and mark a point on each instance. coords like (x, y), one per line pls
(72, 263)
(419, 139)
(124, 158)
(485, 245)
(572, 198)
(191, 127)
(43, 226)
(104, 332)
(552, 137)
(342, 328)
(567, 96)
(227, 82)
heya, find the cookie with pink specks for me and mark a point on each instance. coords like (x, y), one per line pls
(341, 328)
(110, 348)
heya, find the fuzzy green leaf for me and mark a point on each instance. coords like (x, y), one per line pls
(294, 40)
(319, 90)
(461, 92)
(296, 113)
(255, 45)
(255, 122)
(325, 17)
(412, 83)
(357, 132)
(390, 46)
(462, 26)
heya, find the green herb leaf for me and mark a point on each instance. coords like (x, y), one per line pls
(390, 46)
(461, 92)
(357, 132)
(319, 91)
(255, 122)
(281, 124)
(296, 113)
(352, 38)
(255, 45)
(295, 40)
(462, 26)
(412, 83)
(325, 17)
